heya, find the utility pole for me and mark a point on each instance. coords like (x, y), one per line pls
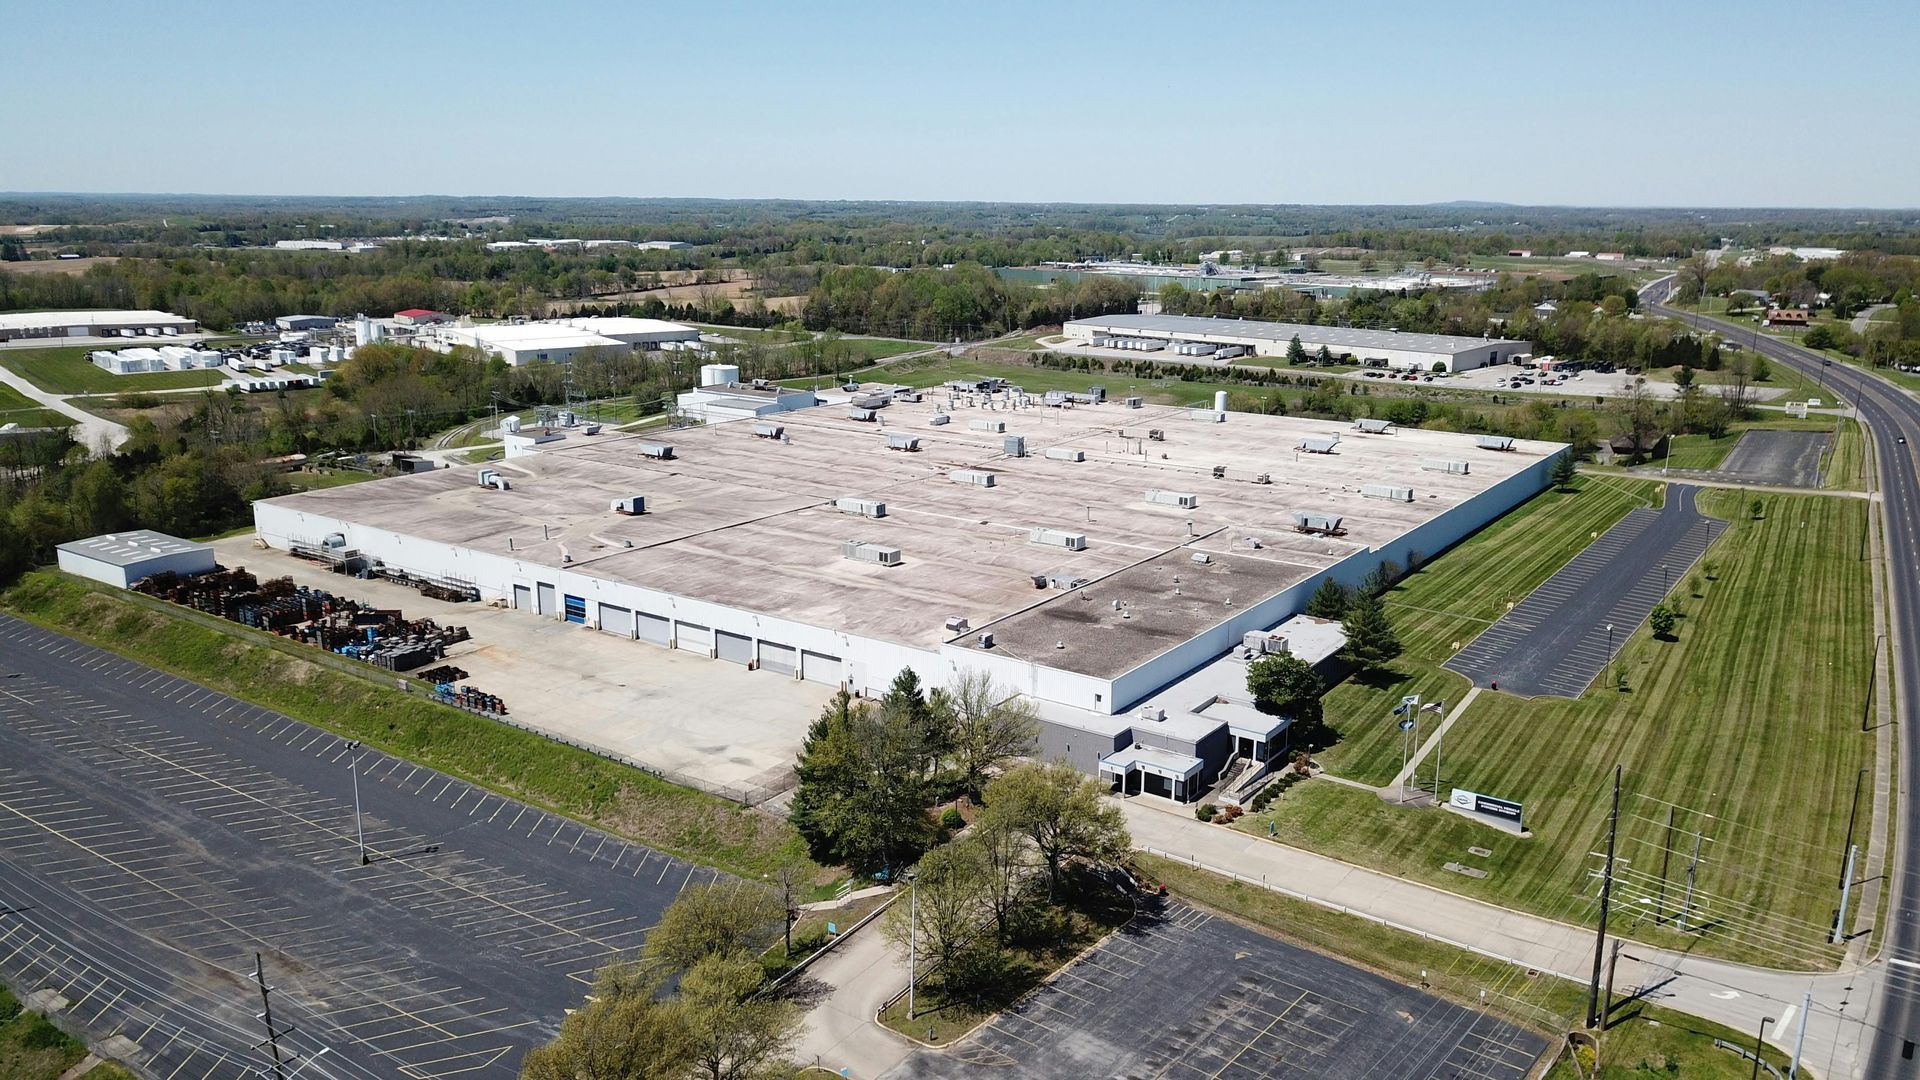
(1800, 1040)
(266, 1016)
(1846, 892)
(1851, 816)
(353, 767)
(1687, 907)
(1613, 961)
(1666, 855)
(1606, 900)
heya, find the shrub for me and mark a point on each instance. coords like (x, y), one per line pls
(42, 1035)
(1205, 811)
(952, 820)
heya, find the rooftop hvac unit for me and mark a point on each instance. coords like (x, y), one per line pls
(1156, 435)
(1309, 521)
(1319, 444)
(1054, 398)
(910, 443)
(1377, 427)
(1494, 442)
(1062, 582)
(488, 476)
(593, 429)
(1059, 539)
(907, 395)
(632, 504)
(1201, 558)
(1219, 472)
(972, 476)
(986, 641)
(956, 624)
(861, 551)
(1014, 446)
(872, 508)
(769, 431)
(1262, 643)
(1262, 478)
(501, 483)
(1061, 453)
(510, 424)
(1132, 403)
(1387, 491)
(870, 401)
(939, 420)
(995, 426)
(1097, 393)
(1173, 498)
(862, 414)
(1445, 465)
(663, 451)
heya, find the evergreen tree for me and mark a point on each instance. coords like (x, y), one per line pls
(1329, 601)
(1325, 356)
(1370, 636)
(863, 785)
(1563, 470)
(1296, 352)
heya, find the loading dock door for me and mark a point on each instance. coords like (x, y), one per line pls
(576, 610)
(778, 658)
(654, 628)
(616, 620)
(693, 637)
(820, 668)
(548, 605)
(522, 598)
(735, 647)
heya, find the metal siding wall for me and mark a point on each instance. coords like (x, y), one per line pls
(1081, 749)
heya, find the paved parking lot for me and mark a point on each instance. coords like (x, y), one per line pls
(1786, 458)
(708, 719)
(1183, 994)
(1555, 642)
(156, 836)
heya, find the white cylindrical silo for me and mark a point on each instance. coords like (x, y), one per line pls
(1219, 401)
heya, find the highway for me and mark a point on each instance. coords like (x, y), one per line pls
(1892, 417)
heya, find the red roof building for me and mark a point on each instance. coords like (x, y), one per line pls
(420, 317)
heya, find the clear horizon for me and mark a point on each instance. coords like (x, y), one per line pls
(1644, 108)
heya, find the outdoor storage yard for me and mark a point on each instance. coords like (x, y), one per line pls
(1717, 726)
(728, 729)
(1180, 993)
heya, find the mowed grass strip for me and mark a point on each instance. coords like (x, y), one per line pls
(1847, 459)
(273, 674)
(1750, 720)
(1451, 601)
(68, 371)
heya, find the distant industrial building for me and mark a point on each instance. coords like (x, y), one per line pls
(1413, 352)
(421, 317)
(20, 325)
(1117, 565)
(305, 322)
(561, 340)
(124, 558)
(721, 396)
(309, 245)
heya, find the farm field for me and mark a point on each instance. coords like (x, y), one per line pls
(67, 371)
(1717, 722)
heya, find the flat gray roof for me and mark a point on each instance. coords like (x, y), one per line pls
(131, 548)
(1334, 337)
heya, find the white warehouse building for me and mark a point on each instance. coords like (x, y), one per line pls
(558, 341)
(1387, 348)
(1095, 559)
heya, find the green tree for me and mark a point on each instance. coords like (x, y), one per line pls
(1283, 684)
(1007, 859)
(1683, 376)
(621, 1032)
(1662, 620)
(1296, 352)
(1563, 470)
(863, 787)
(1329, 601)
(729, 1032)
(950, 902)
(906, 705)
(1370, 637)
(1324, 356)
(990, 726)
(1062, 811)
(713, 920)
(1756, 509)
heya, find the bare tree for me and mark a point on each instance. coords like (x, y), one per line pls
(991, 726)
(1737, 394)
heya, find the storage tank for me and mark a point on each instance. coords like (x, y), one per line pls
(719, 374)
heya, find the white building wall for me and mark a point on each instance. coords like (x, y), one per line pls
(199, 561)
(1400, 359)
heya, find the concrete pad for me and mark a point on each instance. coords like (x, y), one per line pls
(714, 721)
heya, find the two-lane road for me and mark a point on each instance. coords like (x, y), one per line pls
(1893, 419)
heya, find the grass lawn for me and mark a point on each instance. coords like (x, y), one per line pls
(1700, 451)
(67, 371)
(879, 348)
(1061, 932)
(328, 478)
(752, 334)
(31, 1048)
(18, 408)
(1722, 721)
(278, 675)
(1847, 461)
(1670, 1043)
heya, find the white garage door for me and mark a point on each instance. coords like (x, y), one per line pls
(820, 668)
(616, 620)
(735, 647)
(548, 605)
(522, 598)
(693, 637)
(654, 628)
(778, 658)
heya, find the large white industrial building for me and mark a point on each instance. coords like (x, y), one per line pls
(558, 341)
(1096, 557)
(19, 325)
(1414, 352)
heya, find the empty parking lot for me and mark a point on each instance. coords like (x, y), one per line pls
(1182, 994)
(1555, 641)
(1786, 458)
(156, 836)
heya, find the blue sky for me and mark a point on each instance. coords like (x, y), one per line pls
(1623, 103)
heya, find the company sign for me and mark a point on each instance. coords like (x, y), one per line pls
(1485, 805)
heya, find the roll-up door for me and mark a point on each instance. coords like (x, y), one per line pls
(522, 598)
(616, 620)
(654, 628)
(693, 637)
(778, 658)
(548, 605)
(820, 668)
(735, 647)
(576, 610)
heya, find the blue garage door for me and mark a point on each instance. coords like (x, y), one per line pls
(576, 609)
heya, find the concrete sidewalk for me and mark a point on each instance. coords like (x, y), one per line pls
(855, 979)
(89, 430)
(1731, 994)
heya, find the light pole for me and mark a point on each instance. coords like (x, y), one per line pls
(353, 766)
(1663, 580)
(913, 936)
(1610, 663)
(1758, 1037)
(1406, 726)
